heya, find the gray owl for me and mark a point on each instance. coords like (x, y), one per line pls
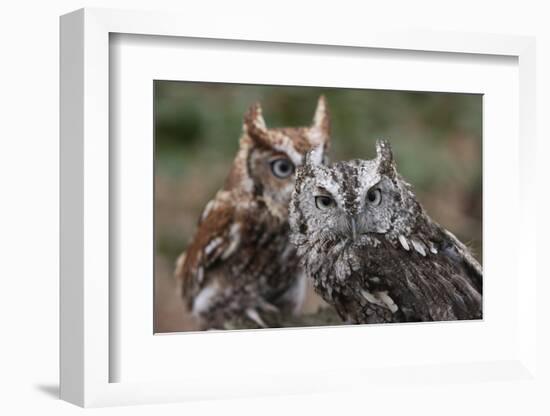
(240, 265)
(371, 249)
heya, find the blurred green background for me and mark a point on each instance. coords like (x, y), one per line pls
(436, 140)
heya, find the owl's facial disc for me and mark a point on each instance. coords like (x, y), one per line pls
(377, 209)
(336, 218)
(352, 213)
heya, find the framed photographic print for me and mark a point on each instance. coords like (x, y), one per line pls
(311, 217)
(240, 268)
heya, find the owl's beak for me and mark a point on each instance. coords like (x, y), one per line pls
(353, 227)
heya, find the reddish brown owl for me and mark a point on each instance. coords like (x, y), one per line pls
(240, 264)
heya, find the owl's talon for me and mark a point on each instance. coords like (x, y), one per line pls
(255, 316)
(269, 307)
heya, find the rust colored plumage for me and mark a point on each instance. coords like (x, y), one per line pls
(240, 264)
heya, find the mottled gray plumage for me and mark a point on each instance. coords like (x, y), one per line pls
(371, 249)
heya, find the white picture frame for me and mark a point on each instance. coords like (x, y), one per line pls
(87, 356)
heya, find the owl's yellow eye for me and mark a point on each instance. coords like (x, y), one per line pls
(282, 168)
(374, 196)
(324, 202)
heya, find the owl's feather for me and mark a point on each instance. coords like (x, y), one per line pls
(371, 249)
(240, 264)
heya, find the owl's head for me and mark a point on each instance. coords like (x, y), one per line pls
(268, 157)
(352, 200)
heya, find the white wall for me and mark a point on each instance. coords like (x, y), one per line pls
(29, 197)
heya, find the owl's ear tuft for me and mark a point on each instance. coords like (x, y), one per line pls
(314, 157)
(384, 157)
(320, 129)
(254, 125)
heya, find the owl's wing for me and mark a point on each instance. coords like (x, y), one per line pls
(217, 238)
(457, 250)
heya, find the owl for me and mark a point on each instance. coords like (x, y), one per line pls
(372, 250)
(240, 265)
